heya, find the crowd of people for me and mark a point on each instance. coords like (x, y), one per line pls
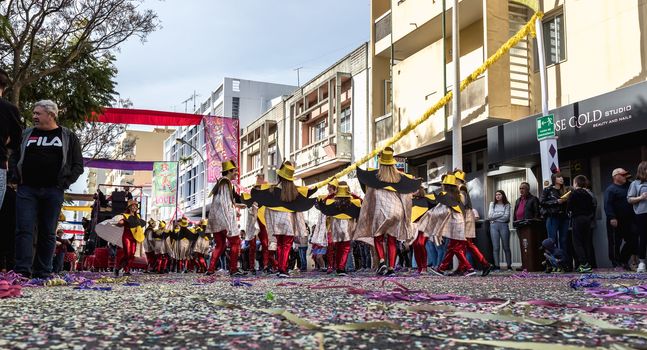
(396, 224)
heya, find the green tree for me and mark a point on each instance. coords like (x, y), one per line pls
(85, 87)
(53, 43)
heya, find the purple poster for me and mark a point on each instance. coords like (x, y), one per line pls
(222, 143)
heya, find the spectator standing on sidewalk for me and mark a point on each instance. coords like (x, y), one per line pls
(527, 206)
(620, 220)
(499, 217)
(637, 196)
(10, 132)
(49, 160)
(581, 208)
(553, 203)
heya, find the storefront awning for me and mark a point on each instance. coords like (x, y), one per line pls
(616, 113)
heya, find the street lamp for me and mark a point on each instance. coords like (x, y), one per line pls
(206, 182)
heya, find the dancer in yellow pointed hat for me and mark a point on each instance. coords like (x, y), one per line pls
(222, 219)
(285, 205)
(133, 235)
(386, 210)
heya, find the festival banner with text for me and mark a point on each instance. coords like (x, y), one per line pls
(222, 143)
(164, 184)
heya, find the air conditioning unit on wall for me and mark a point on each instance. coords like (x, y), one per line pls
(437, 167)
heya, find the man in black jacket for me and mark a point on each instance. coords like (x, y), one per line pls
(10, 131)
(620, 217)
(48, 162)
(530, 208)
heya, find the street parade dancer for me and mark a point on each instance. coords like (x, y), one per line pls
(132, 236)
(321, 240)
(422, 203)
(447, 219)
(202, 245)
(343, 211)
(222, 219)
(149, 245)
(386, 210)
(470, 225)
(159, 247)
(285, 203)
(257, 227)
(184, 241)
(172, 235)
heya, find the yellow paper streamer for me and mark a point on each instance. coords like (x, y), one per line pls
(528, 29)
(77, 208)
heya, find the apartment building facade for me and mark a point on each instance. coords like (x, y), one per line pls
(587, 56)
(234, 98)
(322, 127)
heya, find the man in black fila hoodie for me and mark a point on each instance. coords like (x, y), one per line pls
(48, 162)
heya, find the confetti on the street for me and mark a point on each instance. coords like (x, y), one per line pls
(315, 310)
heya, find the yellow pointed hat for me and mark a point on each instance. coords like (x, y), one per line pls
(162, 225)
(459, 174)
(449, 179)
(386, 157)
(343, 191)
(286, 171)
(184, 222)
(203, 222)
(228, 165)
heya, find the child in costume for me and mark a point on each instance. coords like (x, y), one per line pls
(343, 210)
(447, 219)
(321, 238)
(285, 205)
(470, 225)
(202, 245)
(159, 247)
(149, 245)
(422, 203)
(133, 235)
(256, 227)
(386, 210)
(222, 219)
(184, 242)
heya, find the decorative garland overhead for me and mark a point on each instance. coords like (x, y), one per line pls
(528, 29)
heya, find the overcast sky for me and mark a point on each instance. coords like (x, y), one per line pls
(203, 41)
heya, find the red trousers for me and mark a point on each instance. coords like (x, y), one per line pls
(457, 248)
(234, 244)
(265, 245)
(202, 264)
(219, 238)
(330, 251)
(150, 259)
(392, 248)
(343, 248)
(476, 253)
(420, 251)
(283, 247)
(129, 248)
(162, 262)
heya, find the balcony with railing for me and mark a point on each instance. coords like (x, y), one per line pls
(328, 153)
(382, 29)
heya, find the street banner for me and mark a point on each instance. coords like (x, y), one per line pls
(221, 135)
(164, 184)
